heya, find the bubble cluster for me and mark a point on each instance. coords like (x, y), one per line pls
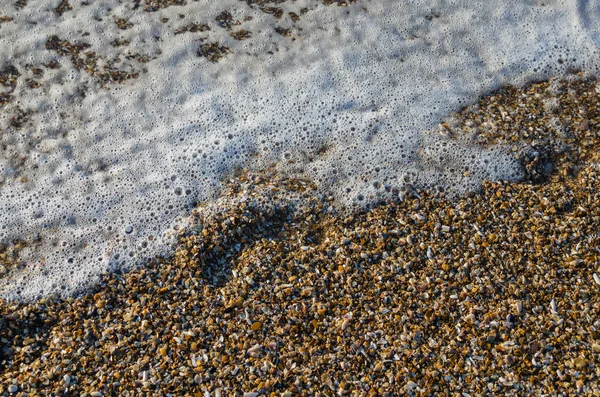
(102, 174)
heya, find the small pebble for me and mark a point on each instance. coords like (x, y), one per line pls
(256, 326)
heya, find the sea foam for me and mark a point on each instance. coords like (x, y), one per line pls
(98, 174)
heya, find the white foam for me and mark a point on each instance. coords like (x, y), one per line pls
(347, 103)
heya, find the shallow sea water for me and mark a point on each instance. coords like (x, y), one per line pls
(98, 174)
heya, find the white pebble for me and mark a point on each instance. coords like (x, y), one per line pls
(254, 349)
(13, 388)
(411, 385)
(553, 306)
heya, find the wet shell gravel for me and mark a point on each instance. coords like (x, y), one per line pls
(272, 291)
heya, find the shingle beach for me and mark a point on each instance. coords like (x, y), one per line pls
(282, 198)
(274, 291)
